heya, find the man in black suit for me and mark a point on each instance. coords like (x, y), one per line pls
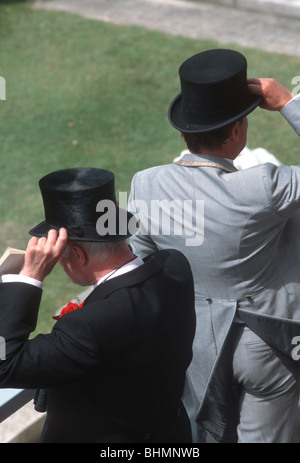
(114, 369)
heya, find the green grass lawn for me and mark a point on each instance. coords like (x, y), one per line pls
(85, 93)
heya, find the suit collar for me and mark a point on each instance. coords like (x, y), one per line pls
(151, 267)
(209, 158)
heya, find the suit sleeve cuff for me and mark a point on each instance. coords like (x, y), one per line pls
(291, 112)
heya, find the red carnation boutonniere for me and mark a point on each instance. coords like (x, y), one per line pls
(69, 308)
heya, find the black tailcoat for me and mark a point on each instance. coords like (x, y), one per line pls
(114, 369)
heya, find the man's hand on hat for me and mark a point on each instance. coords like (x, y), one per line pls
(274, 95)
(43, 253)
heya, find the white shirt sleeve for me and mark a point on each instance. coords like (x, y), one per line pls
(11, 278)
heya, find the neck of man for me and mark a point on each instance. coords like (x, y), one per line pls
(113, 263)
(227, 151)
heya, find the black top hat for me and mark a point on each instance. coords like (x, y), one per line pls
(214, 92)
(83, 201)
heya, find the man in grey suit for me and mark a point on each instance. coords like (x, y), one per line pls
(240, 231)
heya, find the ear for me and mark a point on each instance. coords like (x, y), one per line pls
(235, 131)
(79, 255)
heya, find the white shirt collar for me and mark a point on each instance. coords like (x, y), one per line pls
(137, 262)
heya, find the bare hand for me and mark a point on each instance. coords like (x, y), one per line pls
(43, 253)
(274, 95)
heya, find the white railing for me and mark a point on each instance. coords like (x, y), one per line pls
(11, 400)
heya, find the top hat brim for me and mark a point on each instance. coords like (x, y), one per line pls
(177, 121)
(124, 225)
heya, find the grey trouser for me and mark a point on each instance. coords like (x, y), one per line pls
(269, 392)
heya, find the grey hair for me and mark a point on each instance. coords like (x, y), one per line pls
(96, 248)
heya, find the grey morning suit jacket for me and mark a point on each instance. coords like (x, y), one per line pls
(244, 257)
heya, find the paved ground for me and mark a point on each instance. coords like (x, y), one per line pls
(250, 23)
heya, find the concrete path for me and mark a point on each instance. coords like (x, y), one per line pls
(271, 25)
